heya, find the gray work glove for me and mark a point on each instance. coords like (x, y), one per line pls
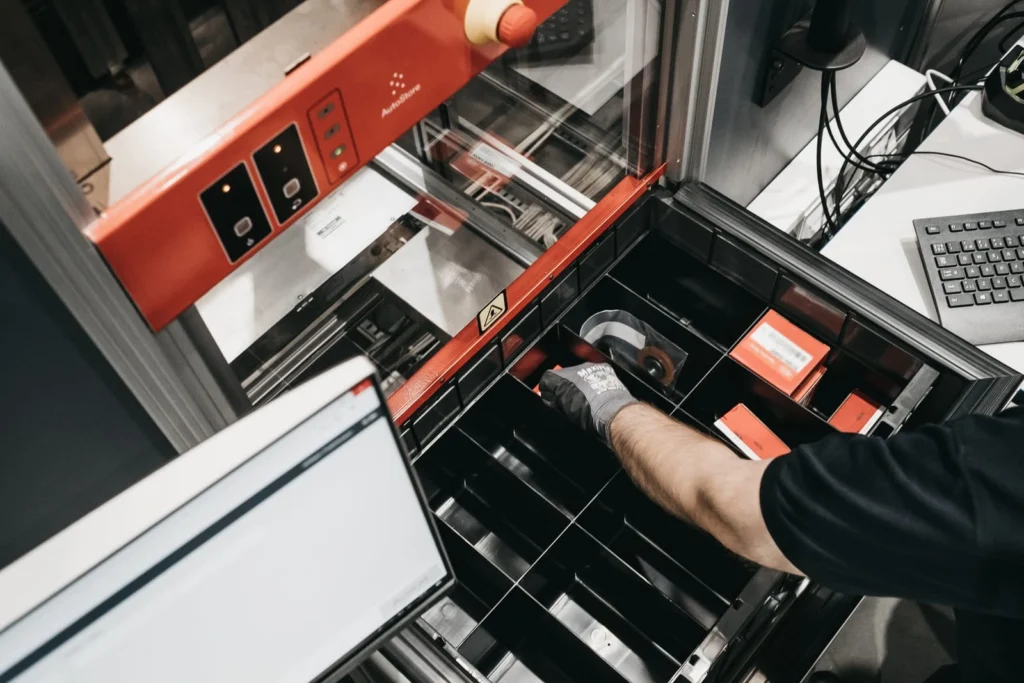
(590, 395)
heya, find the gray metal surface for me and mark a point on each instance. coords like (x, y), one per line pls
(750, 145)
(28, 59)
(447, 278)
(693, 86)
(45, 211)
(197, 110)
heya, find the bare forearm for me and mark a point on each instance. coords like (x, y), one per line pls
(697, 479)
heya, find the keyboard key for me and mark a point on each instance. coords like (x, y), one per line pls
(973, 272)
(983, 244)
(999, 283)
(1020, 240)
(983, 298)
(1017, 268)
(951, 287)
(960, 301)
(986, 271)
(1013, 281)
(1009, 255)
(984, 285)
(969, 286)
(1001, 297)
(1020, 253)
(1020, 221)
(964, 259)
(1017, 294)
(994, 256)
(998, 224)
(979, 257)
(967, 245)
(946, 261)
(952, 247)
(984, 225)
(955, 227)
(1002, 269)
(951, 274)
(938, 249)
(998, 242)
(969, 227)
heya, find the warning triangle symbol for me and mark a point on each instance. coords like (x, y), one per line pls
(493, 313)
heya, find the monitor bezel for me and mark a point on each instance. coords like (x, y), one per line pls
(409, 613)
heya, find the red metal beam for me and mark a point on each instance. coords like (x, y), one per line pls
(447, 362)
(386, 73)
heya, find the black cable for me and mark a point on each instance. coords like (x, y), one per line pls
(831, 226)
(983, 165)
(847, 159)
(842, 131)
(1004, 45)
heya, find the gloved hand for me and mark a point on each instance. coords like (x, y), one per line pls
(590, 395)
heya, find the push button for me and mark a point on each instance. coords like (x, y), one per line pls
(243, 227)
(292, 188)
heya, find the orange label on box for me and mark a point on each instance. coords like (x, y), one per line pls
(750, 435)
(780, 352)
(857, 414)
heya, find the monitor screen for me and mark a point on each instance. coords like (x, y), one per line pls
(281, 571)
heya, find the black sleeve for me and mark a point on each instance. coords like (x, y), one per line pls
(935, 514)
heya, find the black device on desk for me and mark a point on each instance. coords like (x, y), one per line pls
(1003, 100)
(564, 34)
(975, 265)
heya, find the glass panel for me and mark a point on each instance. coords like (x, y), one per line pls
(547, 130)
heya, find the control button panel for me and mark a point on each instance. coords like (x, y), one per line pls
(284, 169)
(236, 213)
(333, 138)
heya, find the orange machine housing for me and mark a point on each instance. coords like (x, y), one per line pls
(370, 86)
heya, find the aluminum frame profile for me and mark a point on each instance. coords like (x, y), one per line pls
(45, 212)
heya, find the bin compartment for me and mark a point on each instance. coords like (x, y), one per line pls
(612, 610)
(480, 588)
(562, 347)
(730, 384)
(610, 295)
(687, 565)
(484, 504)
(700, 297)
(520, 642)
(548, 454)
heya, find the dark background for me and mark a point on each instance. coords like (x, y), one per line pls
(71, 436)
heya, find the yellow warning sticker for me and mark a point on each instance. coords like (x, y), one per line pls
(492, 312)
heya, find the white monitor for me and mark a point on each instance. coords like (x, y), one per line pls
(282, 550)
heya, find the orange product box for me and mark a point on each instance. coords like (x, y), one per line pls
(858, 414)
(780, 352)
(750, 435)
(806, 389)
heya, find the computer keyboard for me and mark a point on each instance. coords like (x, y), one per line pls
(975, 265)
(564, 34)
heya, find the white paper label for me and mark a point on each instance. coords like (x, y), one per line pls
(494, 160)
(781, 348)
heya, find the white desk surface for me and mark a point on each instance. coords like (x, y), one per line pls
(878, 244)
